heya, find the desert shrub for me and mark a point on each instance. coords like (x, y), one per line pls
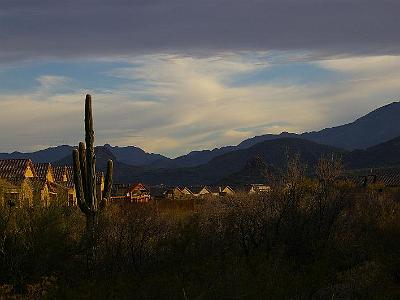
(306, 239)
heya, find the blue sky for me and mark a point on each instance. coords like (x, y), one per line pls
(168, 82)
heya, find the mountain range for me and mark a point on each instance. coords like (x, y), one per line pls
(376, 127)
(369, 142)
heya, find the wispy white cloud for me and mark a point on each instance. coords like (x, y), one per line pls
(174, 104)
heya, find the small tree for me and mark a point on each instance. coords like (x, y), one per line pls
(84, 163)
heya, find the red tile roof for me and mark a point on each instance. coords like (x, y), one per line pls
(68, 171)
(42, 169)
(15, 168)
(59, 172)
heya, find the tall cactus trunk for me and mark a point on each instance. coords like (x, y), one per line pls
(91, 242)
(84, 163)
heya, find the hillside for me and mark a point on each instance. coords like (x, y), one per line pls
(374, 128)
(255, 171)
(129, 155)
(135, 156)
(383, 155)
(47, 155)
(122, 172)
(274, 153)
(254, 164)
(195, 158)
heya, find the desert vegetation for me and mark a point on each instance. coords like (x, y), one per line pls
(309, 238)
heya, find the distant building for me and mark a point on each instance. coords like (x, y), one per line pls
(130, 193)
(174, 193)
(17, 174)
(41, 183)
(64, 175)
(46, 184)
(227, 190)
(20, 173)
(186, 192)
(259, 188)
(385, 178)
(200, 191)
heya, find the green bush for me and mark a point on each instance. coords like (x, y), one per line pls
(307, 239)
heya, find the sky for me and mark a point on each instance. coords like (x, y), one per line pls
(180, 75)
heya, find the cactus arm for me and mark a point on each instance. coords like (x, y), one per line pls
(82, 160)
(85, 168)
(78, 183)
(90, 156)
(108, 180)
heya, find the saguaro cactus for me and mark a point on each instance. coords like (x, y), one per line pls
(84, 161)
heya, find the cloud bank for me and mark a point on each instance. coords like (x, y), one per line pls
(178, 75)
(102, 28)
(173, 104)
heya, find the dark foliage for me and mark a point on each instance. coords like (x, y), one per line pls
(306, 239)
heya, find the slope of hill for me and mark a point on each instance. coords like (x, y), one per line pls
(123, 173)
(383, 155)
(255, 171)
(195, 158)
(129, 155)
(135, 156)
(376, 127)
(254, 164)
(273, 152)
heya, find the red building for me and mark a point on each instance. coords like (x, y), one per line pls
(130, 193)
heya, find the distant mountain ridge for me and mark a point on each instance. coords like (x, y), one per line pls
(130, 155)
(386, 154)
(240, 166)
(51, 154)
(376, 127)
(273, 152)
(135, 156)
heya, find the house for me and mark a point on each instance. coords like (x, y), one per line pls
(64, 175)
(45, 192)
(158, 191)
(227, 190)
(18, 173)
(186, 192)
(41, 183)
(384, 178)
(255, 188)
(258, 188)
(174, 193)
(201, 191)
(214, 190)
(130, 193)
(49, 191)
(9, 193)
